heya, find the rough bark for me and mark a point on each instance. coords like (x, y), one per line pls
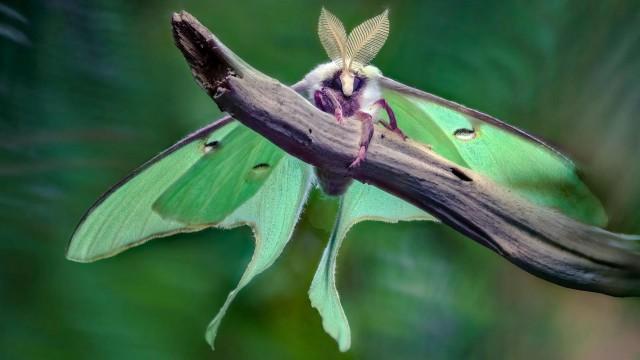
(539, 240)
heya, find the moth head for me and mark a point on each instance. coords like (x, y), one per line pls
(352, 53)
(348, 83)
(347, 80)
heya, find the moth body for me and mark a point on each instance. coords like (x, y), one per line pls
(357, 96)
(348, 87)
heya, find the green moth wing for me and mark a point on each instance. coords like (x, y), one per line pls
(509, 156)
(124, 217)
(471, 139)
(229, 175)
(361, 202)
(272, 213)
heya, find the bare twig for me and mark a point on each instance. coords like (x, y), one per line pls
(539, 240)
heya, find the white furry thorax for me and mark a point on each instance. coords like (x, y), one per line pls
(368, 95)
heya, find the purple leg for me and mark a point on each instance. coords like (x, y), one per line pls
(393, 123)
(319, 100)
(325, 100)
(365, 137)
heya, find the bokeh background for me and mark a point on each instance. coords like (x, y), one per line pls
(91, 89)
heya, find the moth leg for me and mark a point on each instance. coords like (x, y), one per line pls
(393, 123)
(320, 101)
(325, 100)
(365, 137)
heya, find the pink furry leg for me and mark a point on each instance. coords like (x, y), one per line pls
(365, 137)
(393, 123)
(325, 100)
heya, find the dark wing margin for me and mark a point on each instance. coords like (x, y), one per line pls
(196, 135)
(391, 84)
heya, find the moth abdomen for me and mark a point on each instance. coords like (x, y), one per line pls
(331, 182)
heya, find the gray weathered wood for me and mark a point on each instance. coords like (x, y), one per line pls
(539, 240)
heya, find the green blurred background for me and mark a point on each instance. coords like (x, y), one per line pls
(91, 89)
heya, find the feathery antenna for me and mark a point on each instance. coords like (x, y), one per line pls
(354, 52)
(333, 37)
(366, 40)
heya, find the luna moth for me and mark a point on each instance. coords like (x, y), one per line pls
(225, 175)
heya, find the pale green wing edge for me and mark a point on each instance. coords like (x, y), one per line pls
(272, 212)
(122, 217)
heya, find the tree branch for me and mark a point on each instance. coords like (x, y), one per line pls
(539, 240)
